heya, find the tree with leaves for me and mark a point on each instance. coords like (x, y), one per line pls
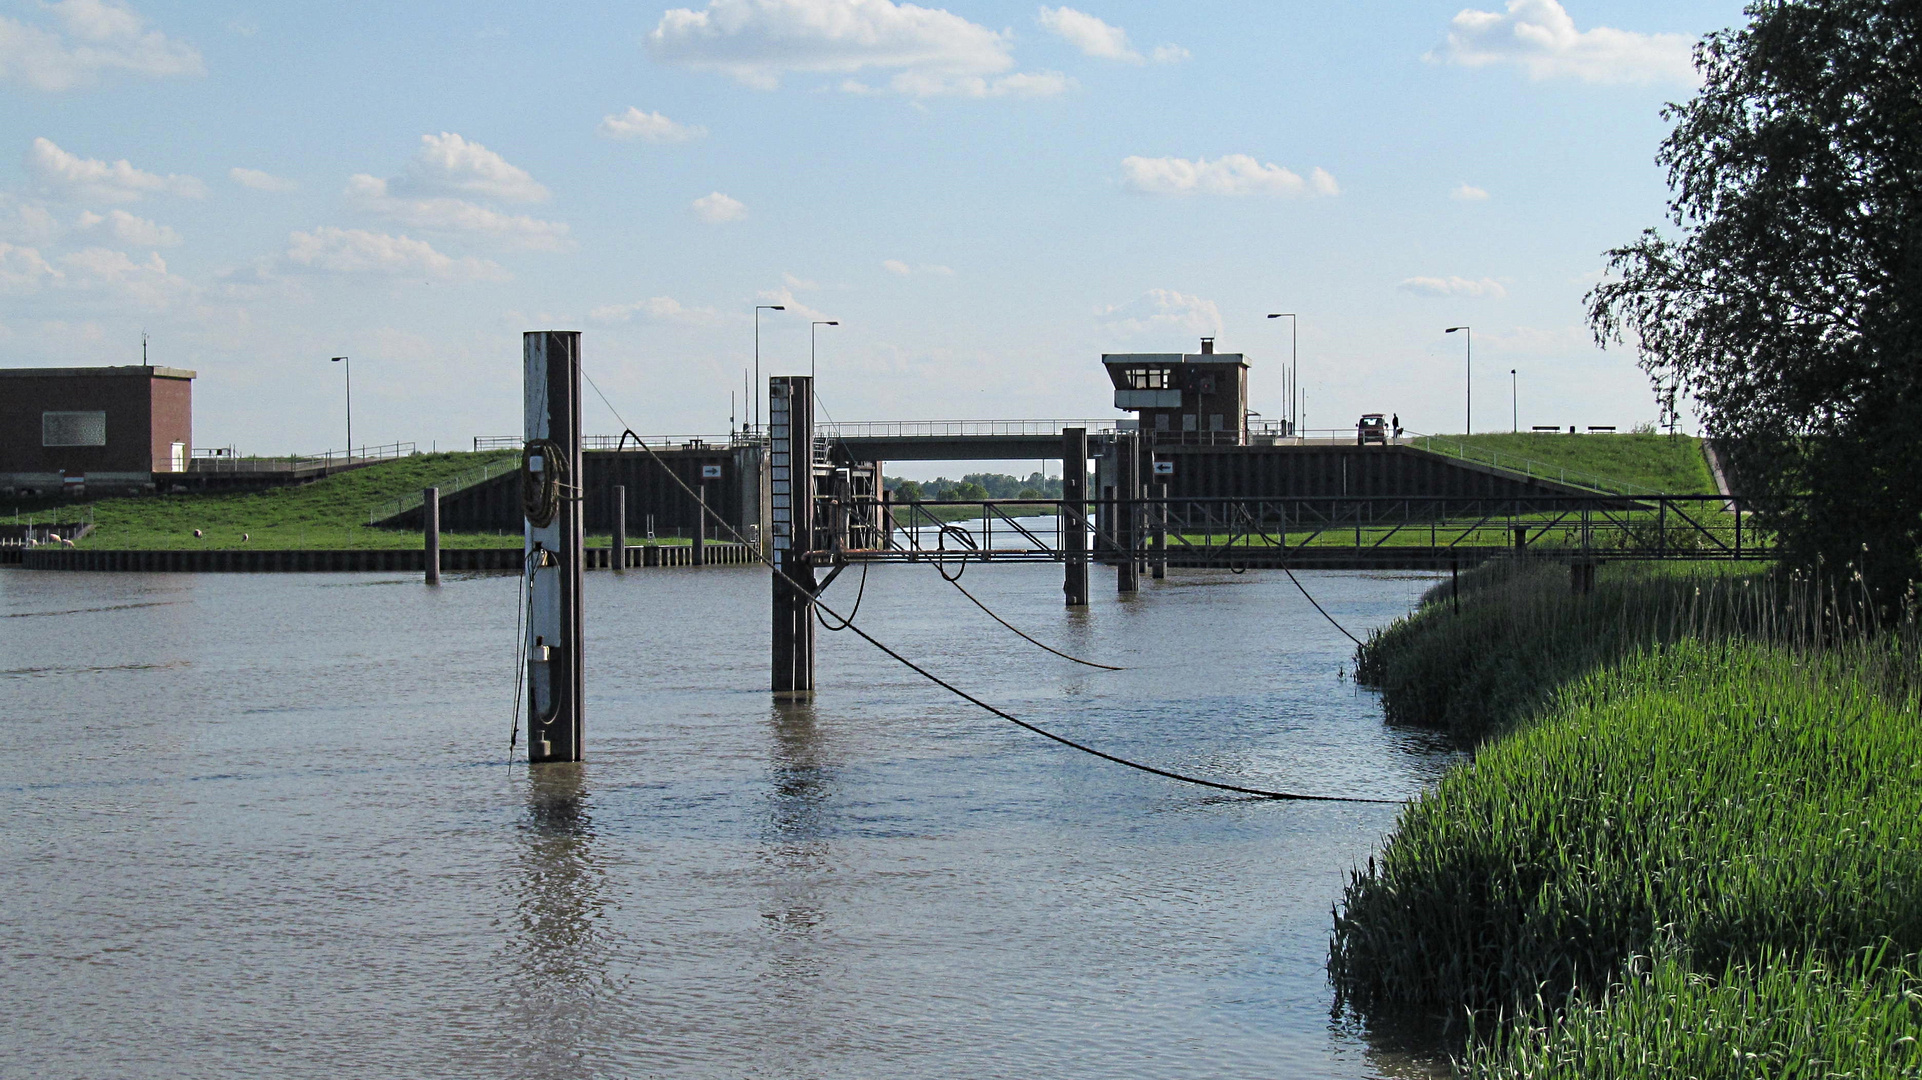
(1786, 300)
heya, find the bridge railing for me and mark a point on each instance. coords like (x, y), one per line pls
(615, 442)
(1663, 527)
(896, 429)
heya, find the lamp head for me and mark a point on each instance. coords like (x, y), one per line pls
(338, 359)
(777, 307)
(1452, 329)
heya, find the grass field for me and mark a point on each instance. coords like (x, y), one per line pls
(1671, 465)
(1696, 836)
(325, 514)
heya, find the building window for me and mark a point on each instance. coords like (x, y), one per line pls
(1188, 421)
(73, 429)
(1214, 422)
(1146, 378)
(1161, 421)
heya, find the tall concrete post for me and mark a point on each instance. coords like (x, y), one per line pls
(553, 550)
(700, 527)
(1074, 515)
(617, 544)
(430, 532)
(1127, 516)
(1158, 559)
(791, 499)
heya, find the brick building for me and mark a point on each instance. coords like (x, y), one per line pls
(93, 431)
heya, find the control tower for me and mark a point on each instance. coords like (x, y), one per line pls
(1191, 399)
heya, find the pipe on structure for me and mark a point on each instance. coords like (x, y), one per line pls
(1074, 515)
(553, 552)
(430, 532)
(617, 543)
(791, 483)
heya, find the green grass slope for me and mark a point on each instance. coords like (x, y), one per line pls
(330, 513)
(1672, 465)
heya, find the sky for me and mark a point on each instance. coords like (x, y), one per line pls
(986, 196)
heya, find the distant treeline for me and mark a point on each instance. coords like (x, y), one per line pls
(976, 486)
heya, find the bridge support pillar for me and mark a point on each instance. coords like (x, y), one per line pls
(791, 483)
(1158, 558)
(553, 554)
(1127, 517)
(1581, 576)
(1074, 515)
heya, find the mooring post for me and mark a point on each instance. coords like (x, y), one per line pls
(617, 544)
(885, 524)
(1074, 515)
(430, 532)
(791, 484)
(553, 554)
(700, 527)
(1127, 517)
(1158, 563)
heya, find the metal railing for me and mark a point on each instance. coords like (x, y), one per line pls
(897, 429)
(395, 507)
(226, 459)
(615, 442)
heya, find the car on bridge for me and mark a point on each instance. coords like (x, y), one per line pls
(1371, 428)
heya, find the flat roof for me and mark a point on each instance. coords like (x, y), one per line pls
(1173, 358)
(129, 371)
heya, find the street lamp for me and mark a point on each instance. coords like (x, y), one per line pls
(1469, 384)
(811, 326)
(1514, 402)
(1294, 368)
(758, 308)
(350, 403)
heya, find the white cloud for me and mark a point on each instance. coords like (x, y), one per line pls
(450, 165)
(62, 174)
(934, 51)
(27, 223)
(647, 127)
(148, 284)
(1468, 193)
(1540, 37)
(129, 229)
(1232, 174)
(1485, 288)
(896, 266)
(1170, 54)
(356, 251)
(1088, 34)
(370, 193)
(1163, 311)
(23, 269)
(94, 37)
(260, 181)
(656, 309)
(715, 208)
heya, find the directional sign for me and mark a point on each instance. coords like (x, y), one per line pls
(710, 472)
(1164, 468)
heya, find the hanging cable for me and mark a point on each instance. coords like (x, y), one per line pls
(849, 624)
(1318, 607)
(956, 582)
(845, 623)
(523, 606)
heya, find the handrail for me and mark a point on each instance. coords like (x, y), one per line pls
(395, 507)
(227, 459)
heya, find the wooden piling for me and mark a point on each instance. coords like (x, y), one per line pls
(1158, 557)
(617, 544)
(553, 552)
(430, 532)
(1127, 515)
(1074, 515)
(791, 482)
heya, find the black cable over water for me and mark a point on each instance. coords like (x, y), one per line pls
(858, 595)
(963, 694)
(1318, 607)
(523, 605)
(956, 582)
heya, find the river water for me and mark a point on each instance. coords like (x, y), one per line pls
(266, 825)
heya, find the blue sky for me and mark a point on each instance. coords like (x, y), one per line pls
(987, 195)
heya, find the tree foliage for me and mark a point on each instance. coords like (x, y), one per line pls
(1787, 298)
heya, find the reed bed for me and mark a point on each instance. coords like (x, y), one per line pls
(1786, 1019)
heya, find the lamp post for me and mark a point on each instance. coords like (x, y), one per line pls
(1514, 402)
(349, 364)
(1294, 368)
(1468, 420)
(758, 308)
(811, 328)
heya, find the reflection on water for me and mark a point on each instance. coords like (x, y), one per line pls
(263, 825)
(559, 958)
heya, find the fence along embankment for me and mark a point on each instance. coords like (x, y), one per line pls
(1688, 781)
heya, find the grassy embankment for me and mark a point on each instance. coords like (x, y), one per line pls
(324, 515)
(1670, 464)
(1692, 837)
